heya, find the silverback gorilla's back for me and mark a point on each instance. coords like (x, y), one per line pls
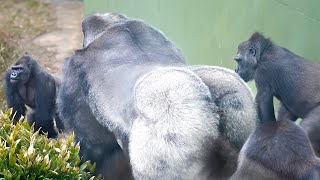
(130, 80)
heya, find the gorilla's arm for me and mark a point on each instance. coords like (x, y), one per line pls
(264, 100)
(97, 143)
(284, 114)
(14, 99)
(44, 104)
(59, 122)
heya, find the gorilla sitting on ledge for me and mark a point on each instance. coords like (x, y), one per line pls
(27, 83)
(129, 82)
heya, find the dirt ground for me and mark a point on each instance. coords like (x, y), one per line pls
(61, 41)
(49, 30)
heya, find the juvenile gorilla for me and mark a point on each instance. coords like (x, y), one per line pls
(27, 83)
(129, 82)
(278, 150)
(290, 78)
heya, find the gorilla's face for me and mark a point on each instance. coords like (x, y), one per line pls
(93, 26)
(20, 71)
(246, 61)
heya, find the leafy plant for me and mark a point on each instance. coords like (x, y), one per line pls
(25, 154)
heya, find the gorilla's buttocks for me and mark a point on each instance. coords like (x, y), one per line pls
(133, 84)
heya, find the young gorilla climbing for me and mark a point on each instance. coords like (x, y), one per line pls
(280, 73)
(27, 83)
(130, 80)
(278, 150)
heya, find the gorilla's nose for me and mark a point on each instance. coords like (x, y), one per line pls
(14, 75)
(237, 57)
(236, 70)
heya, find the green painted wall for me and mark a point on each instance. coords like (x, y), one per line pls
(209, 31)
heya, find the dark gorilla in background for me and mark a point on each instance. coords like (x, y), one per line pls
(27, 83)
(278, 150)
(129, 82)
(279, 73)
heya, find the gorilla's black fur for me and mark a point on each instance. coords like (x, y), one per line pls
(27, 83)
(278, 150)
(290, 78)
(97, 143)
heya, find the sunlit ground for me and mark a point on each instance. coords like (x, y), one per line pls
(21, 21)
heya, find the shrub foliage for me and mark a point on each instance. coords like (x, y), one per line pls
(25, 154)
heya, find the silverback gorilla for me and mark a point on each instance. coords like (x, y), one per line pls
(279, 73)
(130, 83)
(27, 83)
(278, 150)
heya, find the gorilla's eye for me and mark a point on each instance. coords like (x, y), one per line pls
(16, 68)
(252, 51)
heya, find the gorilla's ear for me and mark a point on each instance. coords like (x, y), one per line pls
(94, 25)
(30, 66)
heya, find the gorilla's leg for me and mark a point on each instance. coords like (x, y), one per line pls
(110, 160)
(176, 125)
(311, 124)
(45, 125)
(17, 112)
(221, 161)
(59, 123)
(58, 120)
(284, 114)
(99, 145)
